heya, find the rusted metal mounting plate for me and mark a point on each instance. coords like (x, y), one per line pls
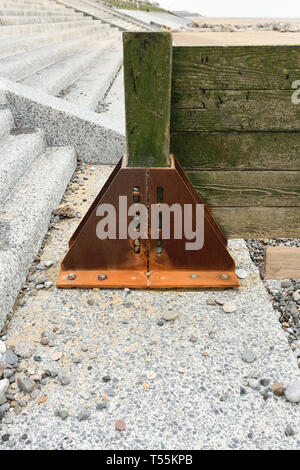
(116, 260)
(192, 279)
(122, 278)
(170, 279)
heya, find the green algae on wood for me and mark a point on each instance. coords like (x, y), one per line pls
(237, 150)
(147, 79)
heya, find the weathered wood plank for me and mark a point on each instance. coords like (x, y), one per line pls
(147, 72)
(258, 222)
(218, 110)
(235, 68)
(282, 262)
(248, 188)
(237, 150)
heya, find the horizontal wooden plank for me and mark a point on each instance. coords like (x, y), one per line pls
(282, 262)
(248, 188)
(241, 67)
(241, 150)
(219, 110)
(258, 222)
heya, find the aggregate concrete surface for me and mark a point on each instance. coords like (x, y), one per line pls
(176, 386)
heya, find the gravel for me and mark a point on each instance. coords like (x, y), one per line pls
(197, 394)
(284, 294)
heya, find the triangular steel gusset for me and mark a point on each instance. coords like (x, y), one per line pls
(149, 263)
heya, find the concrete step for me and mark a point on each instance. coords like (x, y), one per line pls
(16, 20)
(17, 154)
(94, 83)
(61, 75)
(29, 29)
(37, 12)
(6, 123)
(113, 14)
(21, 65)
(120, 22)
(31, 6)
(96, 137)
(91, 8)
(24, 219)
(10, 46)
(113, 106)
(41, 3)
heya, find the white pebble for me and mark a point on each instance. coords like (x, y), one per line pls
(2, 347)
(150, 375)
(229, 307)
(241, 273)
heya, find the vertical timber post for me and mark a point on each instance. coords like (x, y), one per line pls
(147, 79)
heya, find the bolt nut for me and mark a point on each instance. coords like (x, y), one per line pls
(224, 276)
(193, 276)
(102, 277)
(71, 276)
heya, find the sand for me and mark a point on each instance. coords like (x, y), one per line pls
(243, 21)
(240, 38)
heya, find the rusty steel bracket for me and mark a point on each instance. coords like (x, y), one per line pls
(91, 262)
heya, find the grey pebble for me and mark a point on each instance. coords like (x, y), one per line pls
(286, 283)
(8, 373)
(253, 383)
(101, 406)
(26, 384)
(264, 382)
(24, 349)
(63, 377)
(83, 415)
(248, 356)
(11, 443)
(76, 359)
(289, 431)
(10, 358)
(63, 413)
(2, 398)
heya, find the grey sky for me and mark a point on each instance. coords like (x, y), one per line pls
(239, 8)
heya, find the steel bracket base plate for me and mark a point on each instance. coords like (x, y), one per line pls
(171, 279)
